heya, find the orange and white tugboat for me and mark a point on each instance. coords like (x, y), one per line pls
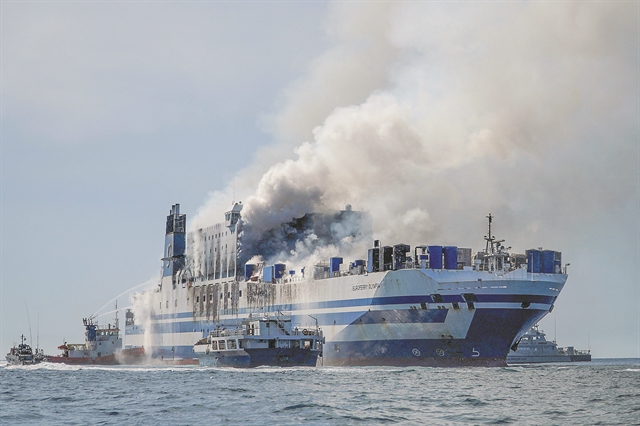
(102, 346)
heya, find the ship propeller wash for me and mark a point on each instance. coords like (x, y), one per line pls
(431, 306)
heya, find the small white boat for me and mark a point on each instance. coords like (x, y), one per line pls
(534, 347)
(22, 354)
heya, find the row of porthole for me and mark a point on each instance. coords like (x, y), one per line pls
(415, 351)
(204, 298)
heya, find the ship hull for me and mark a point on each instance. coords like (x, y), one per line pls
(547, 359)
(105, 360)
(250, 358)
(21, 360)
(396, 318)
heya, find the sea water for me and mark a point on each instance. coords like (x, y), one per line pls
(599, 392)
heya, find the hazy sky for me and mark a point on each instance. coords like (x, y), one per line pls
(427, 114)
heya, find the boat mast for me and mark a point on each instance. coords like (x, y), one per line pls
(28, 319)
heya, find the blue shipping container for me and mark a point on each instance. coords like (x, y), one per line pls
(450, 257)
(267, 274)
(548, 257)
(278, 270)
(435, 257)
(334, 265)
(248, 270)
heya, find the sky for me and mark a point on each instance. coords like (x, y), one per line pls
(429, 115)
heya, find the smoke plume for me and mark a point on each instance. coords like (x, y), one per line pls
(431, 115)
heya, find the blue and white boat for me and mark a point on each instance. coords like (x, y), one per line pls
(433, 306)
(263, 341)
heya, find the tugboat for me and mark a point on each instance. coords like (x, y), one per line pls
(534, 347)
(100, 346)
(22, 354)
(103, 346)
(266, 341)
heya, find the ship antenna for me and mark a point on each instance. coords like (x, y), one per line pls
(28, 319)
(489, 238)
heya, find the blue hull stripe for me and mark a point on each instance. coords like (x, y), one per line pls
(343, 318)
(380, 301)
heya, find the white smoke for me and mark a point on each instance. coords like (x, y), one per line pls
(431, 115)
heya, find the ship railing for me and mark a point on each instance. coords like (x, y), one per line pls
(571, 351)
(227, 332)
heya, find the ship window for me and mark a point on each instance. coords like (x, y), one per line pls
(240, 293)
(437, 298)
(167, 303)
(160, 305)
(221, 345)
(197, 299)
(470, 297)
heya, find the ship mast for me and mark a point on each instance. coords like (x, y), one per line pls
(490, 238)
(494, 253)
(117, 320)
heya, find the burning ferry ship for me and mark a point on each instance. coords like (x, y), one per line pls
(430, 306)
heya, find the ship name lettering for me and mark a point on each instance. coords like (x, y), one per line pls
(364, 286)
